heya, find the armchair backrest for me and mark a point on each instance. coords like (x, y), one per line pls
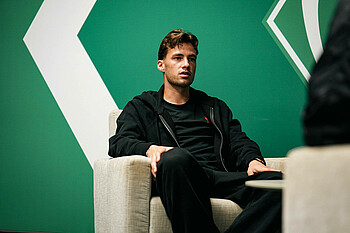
(112, 121)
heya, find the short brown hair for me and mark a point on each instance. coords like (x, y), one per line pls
(175, 38)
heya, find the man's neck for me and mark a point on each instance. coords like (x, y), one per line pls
(176, 95)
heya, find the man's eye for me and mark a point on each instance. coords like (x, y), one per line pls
(192, 59)
(177, 58)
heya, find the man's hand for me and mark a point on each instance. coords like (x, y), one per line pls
(256, 167)
(154, 153)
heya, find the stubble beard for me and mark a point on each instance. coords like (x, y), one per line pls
(175, 83)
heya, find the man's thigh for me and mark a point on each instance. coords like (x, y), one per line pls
(231, 185)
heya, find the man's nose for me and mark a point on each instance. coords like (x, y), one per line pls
(185, 63)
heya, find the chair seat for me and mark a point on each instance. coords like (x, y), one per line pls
(224, 212)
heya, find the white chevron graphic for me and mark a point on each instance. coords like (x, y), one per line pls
(270, 21)
(78, 89)
(312, 26)
(310, 15)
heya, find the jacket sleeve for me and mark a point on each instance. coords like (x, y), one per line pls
(130, 137)
(242, 147)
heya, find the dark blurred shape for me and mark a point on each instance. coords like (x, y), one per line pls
(327, 115)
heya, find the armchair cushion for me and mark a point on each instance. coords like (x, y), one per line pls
(224, 212)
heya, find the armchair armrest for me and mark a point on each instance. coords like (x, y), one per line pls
(122, 190)
(276, 163)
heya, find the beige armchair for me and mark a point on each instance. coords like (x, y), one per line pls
(123, 202)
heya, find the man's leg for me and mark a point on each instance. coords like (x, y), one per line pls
(261, 208)
(183, 188)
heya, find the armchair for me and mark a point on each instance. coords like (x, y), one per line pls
(123, 201)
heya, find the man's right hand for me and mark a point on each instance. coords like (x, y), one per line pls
(154, 153)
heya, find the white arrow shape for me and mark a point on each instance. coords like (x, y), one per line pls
(78, 89)
(310, 13)
(271, 22)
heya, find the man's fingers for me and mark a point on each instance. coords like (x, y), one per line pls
(265, 169)
(272, 169)
(251, 171)
(154, 174)
(275, 170)
(154, 169)
(168, 148)
(154, 164)
(157, 156)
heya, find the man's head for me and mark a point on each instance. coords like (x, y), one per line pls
(174, 39)
(177, 58)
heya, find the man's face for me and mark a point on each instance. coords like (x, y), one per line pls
(179, 66)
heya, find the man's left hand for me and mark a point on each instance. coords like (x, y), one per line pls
(256, 167)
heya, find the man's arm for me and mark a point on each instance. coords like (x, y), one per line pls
(242, 147)
(130, 137)
(247, 152)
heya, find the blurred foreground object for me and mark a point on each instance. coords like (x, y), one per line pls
(327, 115)
(317, 190)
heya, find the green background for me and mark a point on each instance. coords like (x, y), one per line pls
(46, 182)
(238, 61)
(45, 178)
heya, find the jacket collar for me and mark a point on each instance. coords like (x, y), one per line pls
(198, 96)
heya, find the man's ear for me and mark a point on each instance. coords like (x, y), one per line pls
(160, 66)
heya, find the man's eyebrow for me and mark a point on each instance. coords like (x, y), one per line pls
(177, 54)
(182, 55)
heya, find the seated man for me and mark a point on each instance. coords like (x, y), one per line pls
(197, 150)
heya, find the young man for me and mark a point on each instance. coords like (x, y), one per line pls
(197, 150)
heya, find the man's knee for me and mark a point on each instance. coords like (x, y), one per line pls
(175, 158)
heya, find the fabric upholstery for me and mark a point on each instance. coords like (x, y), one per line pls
(122, 193)
(317, 190)
(277, 163)
(112, 118)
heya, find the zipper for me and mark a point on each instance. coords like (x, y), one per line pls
(221, 136)
(169, 129)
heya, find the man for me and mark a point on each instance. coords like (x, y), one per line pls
(197, 150)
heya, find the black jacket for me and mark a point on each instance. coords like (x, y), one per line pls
(145, 122)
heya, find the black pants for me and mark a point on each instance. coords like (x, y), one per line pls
(185, 189)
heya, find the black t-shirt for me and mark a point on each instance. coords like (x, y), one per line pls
(194, 132)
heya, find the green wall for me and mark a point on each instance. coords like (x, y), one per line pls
(47, 182)
(45, 179)
(238, 60)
